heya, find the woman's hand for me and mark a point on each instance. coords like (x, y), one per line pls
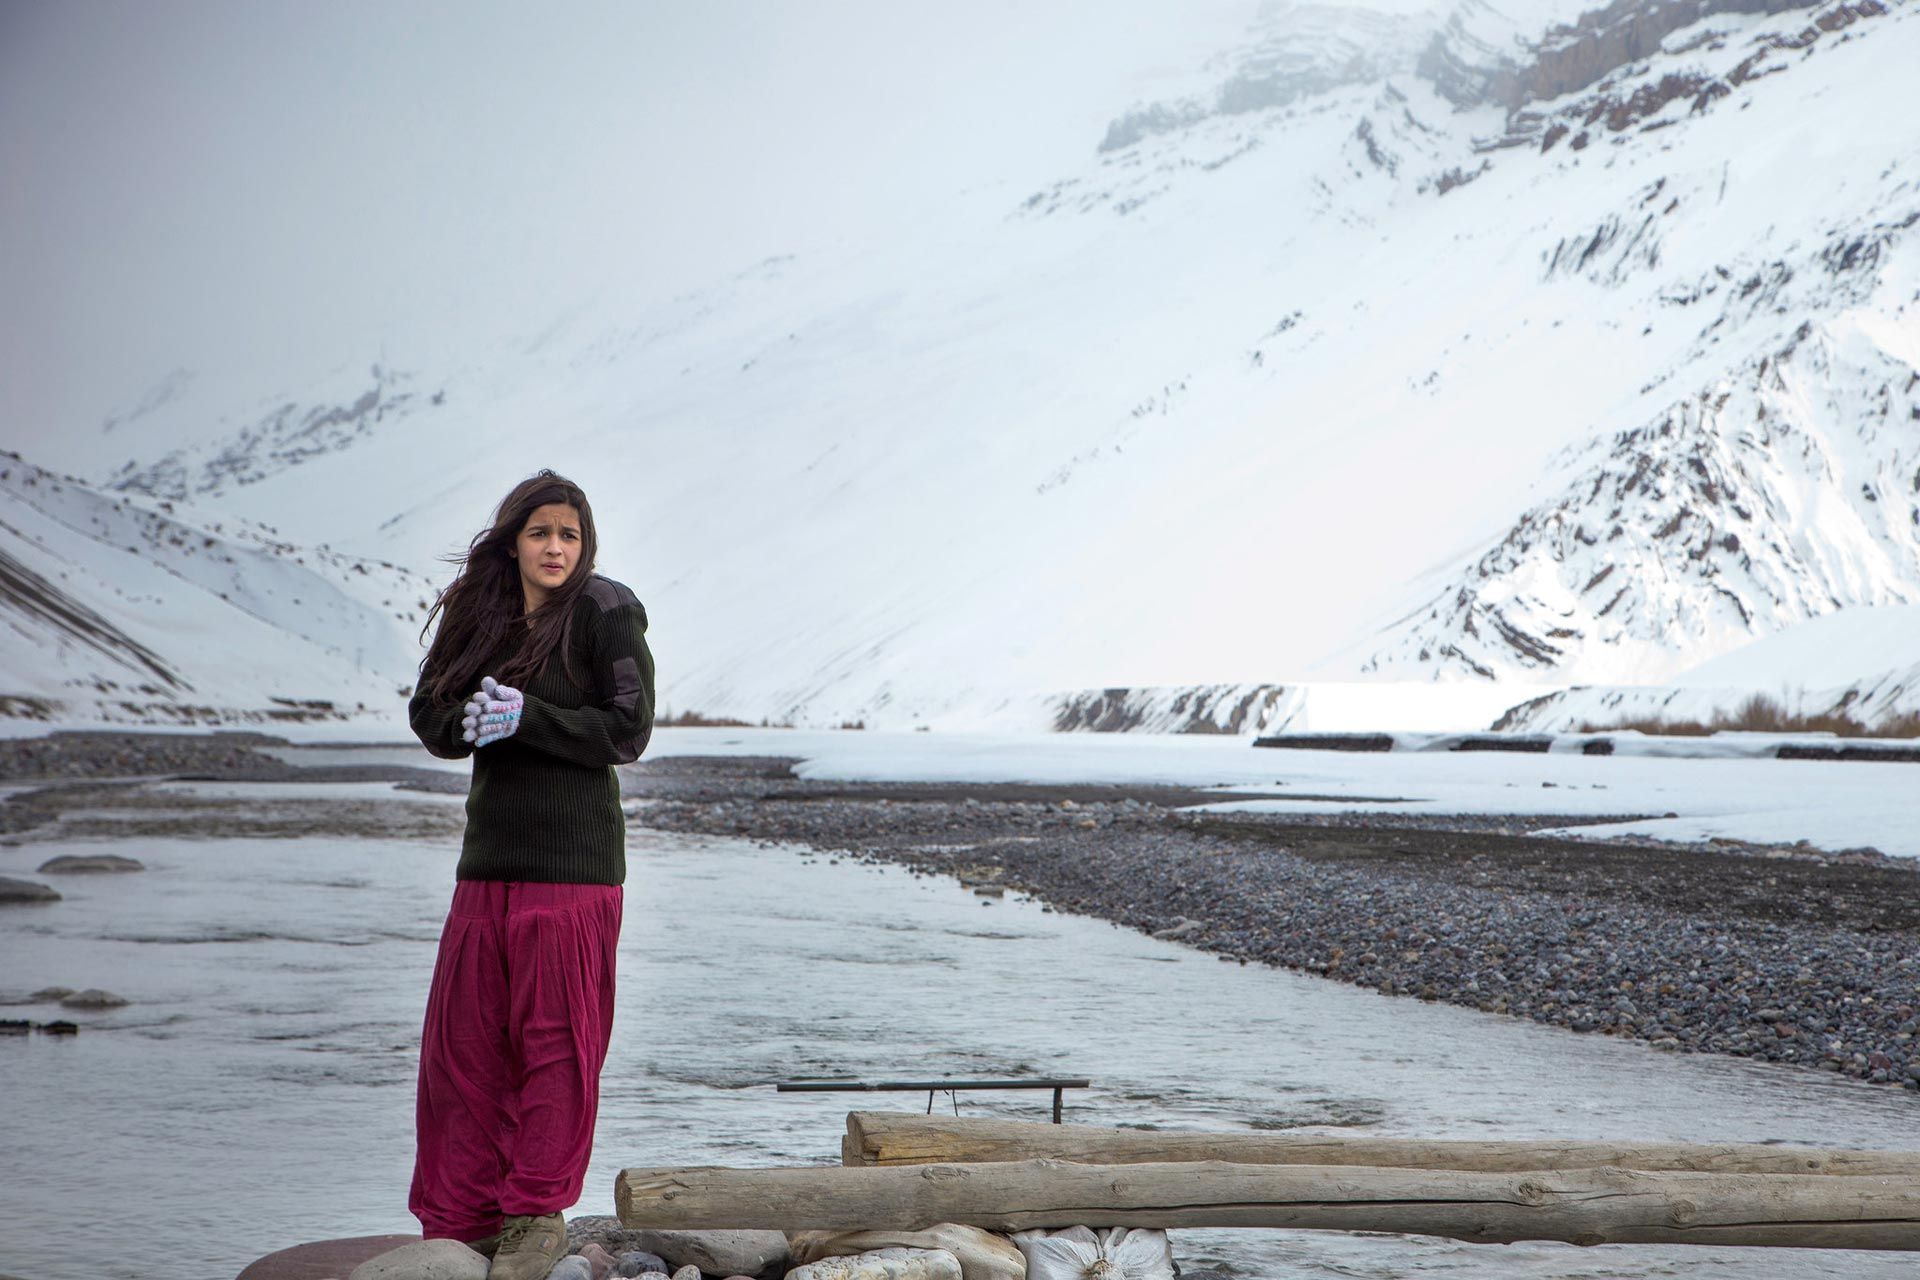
(492, 714)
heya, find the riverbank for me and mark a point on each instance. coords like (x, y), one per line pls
(273, 959)
(1779, 954)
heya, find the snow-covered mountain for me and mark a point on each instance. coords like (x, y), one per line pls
(1782, 491)
(119, 608)
(1781, 479)
(1395, 343)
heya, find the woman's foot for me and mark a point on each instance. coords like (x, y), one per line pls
(529, 1246)
(486, 1246)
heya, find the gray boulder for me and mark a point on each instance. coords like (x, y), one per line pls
(12, 890)
(883, 1264)
(424, 1260)
(94, 998)
(982, 1254)
(718, 1253)
(86, 863)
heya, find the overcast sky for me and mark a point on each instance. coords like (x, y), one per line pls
(258, 183)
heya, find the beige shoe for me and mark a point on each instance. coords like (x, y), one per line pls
(487, 1246)
(529, 1247)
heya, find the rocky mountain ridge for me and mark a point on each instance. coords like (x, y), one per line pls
(272, 438)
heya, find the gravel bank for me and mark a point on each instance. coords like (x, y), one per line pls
(93, 785)
(1778, 954)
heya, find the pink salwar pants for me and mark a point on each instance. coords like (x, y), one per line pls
(517, 1024)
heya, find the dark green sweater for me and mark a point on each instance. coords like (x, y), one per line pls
(544, 804)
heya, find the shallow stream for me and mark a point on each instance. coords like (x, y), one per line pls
(258, 1091)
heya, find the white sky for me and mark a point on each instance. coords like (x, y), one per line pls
(223, 185)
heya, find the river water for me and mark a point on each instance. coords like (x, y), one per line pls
(258, 1091)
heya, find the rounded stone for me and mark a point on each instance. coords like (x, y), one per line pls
(94, 998)
(719, 1252)
(89, 863)
(12, 890)
(321, 1258)
(425, 1260)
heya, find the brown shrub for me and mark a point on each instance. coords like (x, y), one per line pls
(695, 720)
(1763, 714)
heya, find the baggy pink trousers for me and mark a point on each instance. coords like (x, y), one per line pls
(517, 1024)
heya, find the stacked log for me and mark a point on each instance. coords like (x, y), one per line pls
(894, 1138)
(914, 1172)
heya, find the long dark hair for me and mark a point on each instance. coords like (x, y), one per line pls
(484, 605)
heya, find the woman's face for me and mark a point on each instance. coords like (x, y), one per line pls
(547, 550)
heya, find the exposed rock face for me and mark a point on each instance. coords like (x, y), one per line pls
(1604, 40)
(1228, 709)
(1473, 56)
(1618, 90)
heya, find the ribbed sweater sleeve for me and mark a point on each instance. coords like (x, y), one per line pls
(613, 727)
(436, 725)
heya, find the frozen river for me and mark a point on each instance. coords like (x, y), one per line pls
(258, 1090)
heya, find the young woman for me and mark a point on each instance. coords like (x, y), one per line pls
(539, 670)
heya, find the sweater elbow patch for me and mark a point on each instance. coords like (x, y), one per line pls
(627, 685)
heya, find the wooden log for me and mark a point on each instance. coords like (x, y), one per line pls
(896, 1138)
(1580, 1206)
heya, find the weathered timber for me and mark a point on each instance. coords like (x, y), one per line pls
(897, 1138)
(1579, 1206)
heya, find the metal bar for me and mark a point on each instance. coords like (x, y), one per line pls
(922, 1086)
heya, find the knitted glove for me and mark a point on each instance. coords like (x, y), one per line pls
(492, 714)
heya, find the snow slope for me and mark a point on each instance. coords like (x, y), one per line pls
(1582, 362)
(1862, 662)
(119, 608)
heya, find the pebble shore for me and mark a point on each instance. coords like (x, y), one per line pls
(1776, 954)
